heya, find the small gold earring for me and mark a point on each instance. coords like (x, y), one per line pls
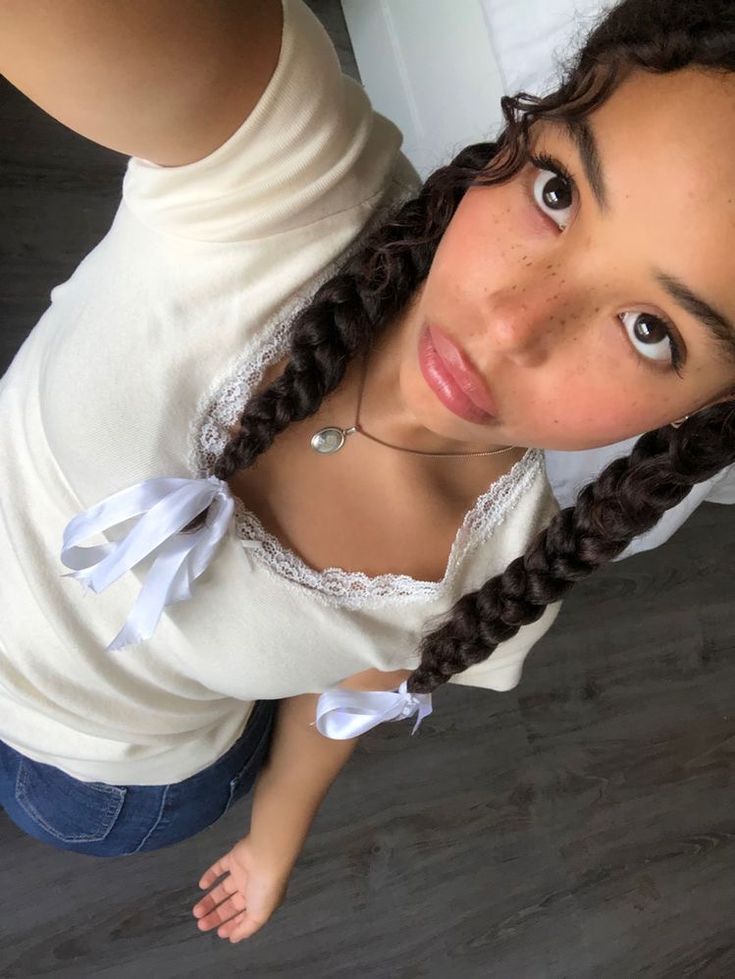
(680, 422)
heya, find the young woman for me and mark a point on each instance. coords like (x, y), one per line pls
(376, 368)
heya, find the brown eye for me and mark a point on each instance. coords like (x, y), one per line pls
(553, 190)
(556, 194)
(655, 335)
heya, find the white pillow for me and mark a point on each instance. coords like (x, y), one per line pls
(531, 37)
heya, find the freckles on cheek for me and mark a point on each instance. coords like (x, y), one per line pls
(589, 414)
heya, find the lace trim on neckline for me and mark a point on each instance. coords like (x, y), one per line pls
(350, 589)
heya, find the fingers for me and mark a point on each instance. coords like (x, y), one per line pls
(211, 914)
(222, 866)
(215, 897)
(226, 930)
(231, 915)
(226, 906)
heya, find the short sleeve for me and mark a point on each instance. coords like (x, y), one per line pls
(502, 670)
(313, 146)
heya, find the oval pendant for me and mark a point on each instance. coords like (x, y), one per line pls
(328, 440)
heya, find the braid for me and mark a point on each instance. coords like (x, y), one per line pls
(349, 311)
(627, 499)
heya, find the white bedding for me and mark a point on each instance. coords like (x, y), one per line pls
(530, 36)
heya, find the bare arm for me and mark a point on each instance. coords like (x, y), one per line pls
(301, 767)
(165, 80)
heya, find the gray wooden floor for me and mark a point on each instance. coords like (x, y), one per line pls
(580, 825)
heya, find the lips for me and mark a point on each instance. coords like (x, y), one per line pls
(459, 367)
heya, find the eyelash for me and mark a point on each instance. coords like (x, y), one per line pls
(542, 161)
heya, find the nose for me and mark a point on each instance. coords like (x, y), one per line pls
(524, 321)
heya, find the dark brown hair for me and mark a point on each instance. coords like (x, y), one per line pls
(350, 310)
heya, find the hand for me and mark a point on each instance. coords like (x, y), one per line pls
(242, 903)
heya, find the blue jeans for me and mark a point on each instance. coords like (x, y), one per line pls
(114, 820)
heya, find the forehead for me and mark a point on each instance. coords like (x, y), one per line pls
(686, 116)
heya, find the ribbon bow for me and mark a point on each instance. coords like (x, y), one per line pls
(342, 714)
(169, 503)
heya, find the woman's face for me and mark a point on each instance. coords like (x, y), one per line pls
(557, 302)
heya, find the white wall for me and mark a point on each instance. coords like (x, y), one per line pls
(429, 66)
(438, 68)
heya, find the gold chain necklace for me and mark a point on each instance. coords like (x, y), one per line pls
(331, 439)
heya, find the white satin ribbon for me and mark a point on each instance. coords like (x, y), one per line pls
(342, 714)
(169, 503)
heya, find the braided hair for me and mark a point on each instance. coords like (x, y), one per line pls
(349, 311)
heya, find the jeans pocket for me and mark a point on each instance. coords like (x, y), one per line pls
(67, 809)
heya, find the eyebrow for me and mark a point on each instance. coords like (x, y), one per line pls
(719, 327)
(580, 131)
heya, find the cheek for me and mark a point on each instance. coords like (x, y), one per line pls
(586, 407)
(589, 391)
(484, 240)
